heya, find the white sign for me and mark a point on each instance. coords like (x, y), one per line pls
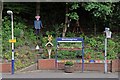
(37, 47)
(108, 34)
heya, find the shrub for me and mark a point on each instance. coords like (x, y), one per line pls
(69, 63)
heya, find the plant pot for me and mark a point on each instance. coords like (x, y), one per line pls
(69, 69)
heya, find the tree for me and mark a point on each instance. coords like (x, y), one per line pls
(114, 19)
(38, 8)
(66, 21)
(70, 14)
(1, 9)
(99, 11)
(20, 9)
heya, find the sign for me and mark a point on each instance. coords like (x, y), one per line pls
(64, 43)
(50, 38)
(69, 39)
(37, 47)
(49, 44)
(108, 34)
(12, 40)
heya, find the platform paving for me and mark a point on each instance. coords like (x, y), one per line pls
(59, 74)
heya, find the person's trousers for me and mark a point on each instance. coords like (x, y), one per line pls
(37, 31)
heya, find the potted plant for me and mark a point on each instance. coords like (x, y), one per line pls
(69, 67)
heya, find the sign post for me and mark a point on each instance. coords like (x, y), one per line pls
(108, 35)
(71, 40)
(49, 45)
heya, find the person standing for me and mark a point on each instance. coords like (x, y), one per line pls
(37, 24)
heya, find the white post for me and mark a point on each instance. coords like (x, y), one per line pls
(11, 13)
(108, 35)
(105, 61)
(12, 37)
(49, 53)
(12, 44)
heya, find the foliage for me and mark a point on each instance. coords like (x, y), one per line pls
(24, 57)
(56, 30)
(101, 13)
(114, 19)
(99, 9)
(94, 48)
(73, 14)
(1, 9)
(25, 38)
(7, 56)
(68, 63)
(44, 41)
(53, 24)
(70, 45)
(106, 12)
(20, 8)
(67, 54)
(69, 34)
(111, 51)
(6, 35)
(0, 42)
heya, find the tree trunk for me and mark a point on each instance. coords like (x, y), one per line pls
(81, 29)
(77, 28)
(66, 21)
(94, 29)
(38, 8)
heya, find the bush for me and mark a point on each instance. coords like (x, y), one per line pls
(68, 63)
(25, 38)
(94, 48)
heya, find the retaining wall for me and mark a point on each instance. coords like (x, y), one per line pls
(49, 64)
(115, 65)
(5, 67)
(46, 64)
